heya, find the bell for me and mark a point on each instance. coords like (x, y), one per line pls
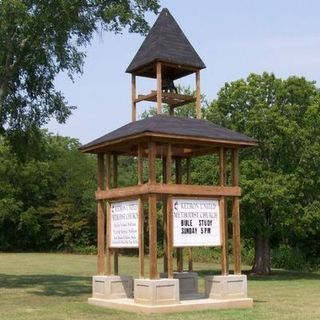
(168, 85)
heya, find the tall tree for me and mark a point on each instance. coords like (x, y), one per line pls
(280, 177)
(39, 39)
(46, 203)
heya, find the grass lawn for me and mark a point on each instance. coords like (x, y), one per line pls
(56, 286)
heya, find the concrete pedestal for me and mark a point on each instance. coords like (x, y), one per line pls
(226, 287)
(156, 292)
(188, 281)
(112, 287)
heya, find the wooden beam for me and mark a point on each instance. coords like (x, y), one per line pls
(108, 215)
(171, 98)
(178, 171)
(170, 236)
(235, 167)
(173, 189)
(223, 214)
(198, 95)
(123, 192)
(164, 216)
(175, 104)
(159, 88)
(100, 215)
(115, 185)
(115, 170)
(168, 213)
(190, 262)
(153, 272)
(201, 152)
(108, 167)
(101, 172)
(152, 96)
(134, 103)
(178, 181)
(108, 239)
(236, 235)
(222, 168)
(100, 231)
(141, 238)
(140, 164)
(185, 67)
(236, 214)
(224, 238)
(152, 162)
(168, 163)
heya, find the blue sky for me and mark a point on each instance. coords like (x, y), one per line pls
(233, 38)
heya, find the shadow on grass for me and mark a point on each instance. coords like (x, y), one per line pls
(278, 275)
(48, 285)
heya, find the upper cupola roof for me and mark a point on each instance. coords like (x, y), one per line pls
(166, 43)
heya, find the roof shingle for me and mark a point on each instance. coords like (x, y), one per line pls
(166, 42)
(168, 125)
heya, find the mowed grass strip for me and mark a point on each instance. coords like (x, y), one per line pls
(56, 286)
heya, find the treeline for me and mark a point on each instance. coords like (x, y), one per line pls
(47, 194)
(46, 200)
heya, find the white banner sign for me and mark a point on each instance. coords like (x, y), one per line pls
(124, 224)
(196, 222)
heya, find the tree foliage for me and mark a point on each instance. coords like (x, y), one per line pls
(280, 177)
(47, 203)
(39, 39)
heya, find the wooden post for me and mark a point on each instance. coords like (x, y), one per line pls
(140, 164)
(141, 213)
(164, 215)
(115, 185)
(168, 163)
(236, 214)
(170, 236)
(223, 215)
(171, 111)
(178, 181)
(153, 272)
(108, 239)
(134, 103)
(141, 238)
(169, 231)
(190, 264)
(198, 95)
(100, 215)
(108, 218)
(159, 88)
(115, 171)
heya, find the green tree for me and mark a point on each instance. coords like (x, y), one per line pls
(70, 210)
(280, 177)
(47, 203)
(39, 39)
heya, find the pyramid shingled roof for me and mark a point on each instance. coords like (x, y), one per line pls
(166, 42)
(168, 125)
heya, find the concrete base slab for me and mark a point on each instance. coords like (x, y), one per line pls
(188, 281)
(226, 287)
(183, 306)
(112, 287)
(156, 292)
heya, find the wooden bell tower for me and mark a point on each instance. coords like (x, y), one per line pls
(166, 55)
